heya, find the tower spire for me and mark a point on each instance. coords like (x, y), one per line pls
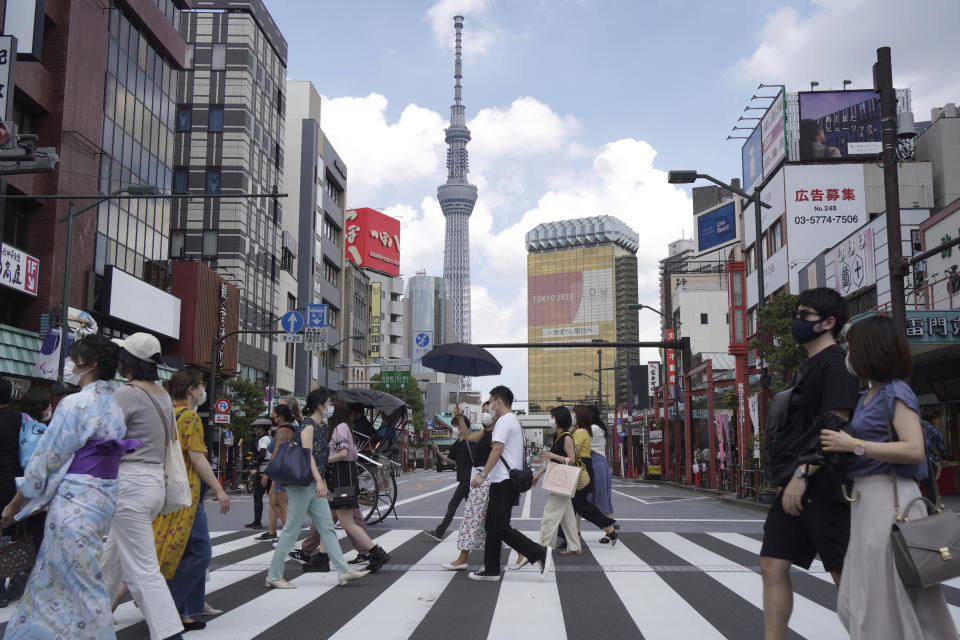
(457, 198)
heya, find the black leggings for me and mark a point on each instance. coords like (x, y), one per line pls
(584, 507)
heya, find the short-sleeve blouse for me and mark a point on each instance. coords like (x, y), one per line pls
(870, 423)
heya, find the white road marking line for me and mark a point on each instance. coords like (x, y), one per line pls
(526, 506)
(425, 495)
(528, 606)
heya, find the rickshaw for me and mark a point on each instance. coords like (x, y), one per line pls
(377, 458)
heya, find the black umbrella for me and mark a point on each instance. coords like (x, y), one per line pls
(462, 358)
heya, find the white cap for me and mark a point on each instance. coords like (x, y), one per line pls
(142, 345)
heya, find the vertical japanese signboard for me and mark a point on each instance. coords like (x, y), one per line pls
(671, 361)
(773, 134)
(375, 293)
(653, 379)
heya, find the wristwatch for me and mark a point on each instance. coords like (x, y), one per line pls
(859, 449)
(800, 473)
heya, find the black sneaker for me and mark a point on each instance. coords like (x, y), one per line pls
(319, 563)
(484, 576)
(362, 558)
(378, 558)
(253, 525)
(299, 556)
(266, 536)
(433, 534)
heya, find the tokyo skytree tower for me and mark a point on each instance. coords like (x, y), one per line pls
(457, 198)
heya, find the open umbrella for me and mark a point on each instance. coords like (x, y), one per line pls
(462, 358)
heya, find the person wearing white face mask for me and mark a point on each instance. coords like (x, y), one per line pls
(182, 537)
(462, 455)
(129, 560)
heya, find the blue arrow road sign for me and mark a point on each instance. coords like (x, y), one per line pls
(292, 322)
(317, 315)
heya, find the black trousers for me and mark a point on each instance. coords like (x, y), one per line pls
(499, 510)
(584, 508)
(258, 492)
(459, 495)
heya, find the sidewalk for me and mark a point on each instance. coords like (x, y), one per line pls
(950, 502)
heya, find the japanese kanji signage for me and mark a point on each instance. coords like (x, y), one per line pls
(773, 135)
(854, 263)
(18, 270)
(376, 291)
(653, 379)
(372, 240)
(671, 360)
(933, 327)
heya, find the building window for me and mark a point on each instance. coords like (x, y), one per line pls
(178, 244)
(776, 236)
(213, 181)
(215, 121)
(218, 61)
(184, 116)
(188, 58)
(276, 155)
(330, 231)
(210, 244)
(329, 273)
(290, 347)
(286, 260)
(704, 319)
(180, 179)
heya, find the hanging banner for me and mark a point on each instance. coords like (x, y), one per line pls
(375, 298)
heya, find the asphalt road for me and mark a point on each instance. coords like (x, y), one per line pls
(686, 566)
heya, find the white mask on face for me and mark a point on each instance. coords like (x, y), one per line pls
(486, 418)
(70, 375)
(553, 422)
(850, 367)
(202, 398)
(329, 412)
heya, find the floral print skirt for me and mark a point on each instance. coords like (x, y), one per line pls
(472, 530)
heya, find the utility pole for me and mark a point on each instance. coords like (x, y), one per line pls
(883, 83)
(600, 379)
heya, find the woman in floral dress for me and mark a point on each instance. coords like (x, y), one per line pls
(73, 472)
(472, 532)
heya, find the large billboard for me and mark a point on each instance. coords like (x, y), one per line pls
(372, 240)
(716, 227)
(839, 124)
(570, 305)
(752, 157)
(774, 134)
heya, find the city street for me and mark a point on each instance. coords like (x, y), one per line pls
(686, 566)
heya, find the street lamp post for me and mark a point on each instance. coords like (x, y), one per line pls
(598, 380)
(72, 213)
(326, 369)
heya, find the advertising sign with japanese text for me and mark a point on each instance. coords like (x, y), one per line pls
(18, 270)
(824, 203)
(839, 124)
(372, 240)
(854, 266)
(653, 378)
(716, 227)
(774, 134)
(671, 360)
(375, 297)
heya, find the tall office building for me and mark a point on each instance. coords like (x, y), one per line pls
(229, 126)
(581, 275)
(457, 198)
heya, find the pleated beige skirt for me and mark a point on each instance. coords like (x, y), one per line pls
(872, 602)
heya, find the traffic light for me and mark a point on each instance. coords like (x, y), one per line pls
(8, 134)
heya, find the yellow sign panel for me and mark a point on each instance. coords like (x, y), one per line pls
(375, 297)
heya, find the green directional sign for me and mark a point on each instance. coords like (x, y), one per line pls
(394, 377)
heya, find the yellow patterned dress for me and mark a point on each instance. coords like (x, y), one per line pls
(171, 531)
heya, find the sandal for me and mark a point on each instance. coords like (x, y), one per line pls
(614, 536)
(604, 540)
(570, 553)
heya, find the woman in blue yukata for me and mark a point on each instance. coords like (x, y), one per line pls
(73, 473)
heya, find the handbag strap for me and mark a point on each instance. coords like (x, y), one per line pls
(893, 467)
(156, 405)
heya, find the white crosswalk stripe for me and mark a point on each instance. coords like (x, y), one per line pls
(655, 596)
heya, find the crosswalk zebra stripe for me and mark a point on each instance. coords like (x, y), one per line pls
(408, 599)
(279, 604)
(809, 619)
(424, 495)
(817, 570)
(528, 605)
(235, 545)
(655, 608)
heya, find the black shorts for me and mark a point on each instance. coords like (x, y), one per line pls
(822, 528)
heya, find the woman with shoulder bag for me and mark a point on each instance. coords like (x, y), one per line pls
(311, 499)
(183, 537)
(129, 556)
(341, 471)
(873, 602)
(558, 512)
(587, 510)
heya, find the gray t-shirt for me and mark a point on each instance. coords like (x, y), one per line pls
(144, 423)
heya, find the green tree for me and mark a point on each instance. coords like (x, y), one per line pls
(248, 405)
(413, 397)
(775, 342)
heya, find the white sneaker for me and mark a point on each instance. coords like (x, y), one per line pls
(449, 566)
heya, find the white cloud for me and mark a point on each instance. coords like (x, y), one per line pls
(839, 39)
(477, 39)
(527, 126)
(378, 152)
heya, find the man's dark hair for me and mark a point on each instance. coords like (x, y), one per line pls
(829, 304)
(6, 390)
(133, 368)
(503, 394)
(879, 352)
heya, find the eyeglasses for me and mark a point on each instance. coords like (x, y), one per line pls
(805, 314)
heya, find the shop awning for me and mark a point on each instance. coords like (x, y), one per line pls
(18, 351)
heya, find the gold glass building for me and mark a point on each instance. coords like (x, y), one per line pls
(581, 275)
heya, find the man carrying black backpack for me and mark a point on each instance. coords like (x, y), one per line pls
(809, 516)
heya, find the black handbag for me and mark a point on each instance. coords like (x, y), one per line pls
(17, 553)
(520, 479)
(344, 493)
(290, 464)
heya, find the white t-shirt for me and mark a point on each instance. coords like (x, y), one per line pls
(598, 440)
(264, 443)
(509, 432)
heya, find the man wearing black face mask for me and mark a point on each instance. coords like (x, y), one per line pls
(809, 516)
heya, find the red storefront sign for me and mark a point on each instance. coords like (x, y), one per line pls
(372, 240)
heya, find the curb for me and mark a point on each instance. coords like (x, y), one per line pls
(721, 496)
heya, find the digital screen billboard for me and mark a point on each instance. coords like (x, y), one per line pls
(752, 156)
(372, 240)
(716, 227)
(773, 140)
(839, 124)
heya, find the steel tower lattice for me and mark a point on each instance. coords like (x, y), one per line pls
(457, 198)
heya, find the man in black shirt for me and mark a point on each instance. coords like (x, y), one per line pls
(462, 452)
(810, 516)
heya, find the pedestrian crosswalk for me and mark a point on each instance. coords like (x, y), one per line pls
(653, 585)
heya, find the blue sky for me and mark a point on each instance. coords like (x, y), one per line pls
(578, 108)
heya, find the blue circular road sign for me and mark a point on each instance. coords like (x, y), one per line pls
(292, 322)
(423, 339)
